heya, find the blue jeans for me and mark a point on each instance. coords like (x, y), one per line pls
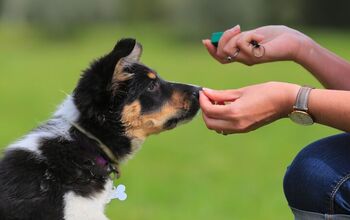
(317, 183)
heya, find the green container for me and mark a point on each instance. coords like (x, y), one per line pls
(215, 38)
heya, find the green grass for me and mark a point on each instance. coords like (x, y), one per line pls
(188, 173)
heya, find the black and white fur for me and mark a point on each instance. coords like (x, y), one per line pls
(54, 173)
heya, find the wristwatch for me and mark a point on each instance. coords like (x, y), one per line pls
(300, 114)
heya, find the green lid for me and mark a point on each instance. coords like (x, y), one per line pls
(215, 38)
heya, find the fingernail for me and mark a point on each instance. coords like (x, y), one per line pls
(236, 28)
(207, 90)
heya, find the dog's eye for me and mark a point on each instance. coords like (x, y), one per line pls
(152, 87)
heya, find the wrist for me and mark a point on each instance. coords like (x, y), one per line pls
(305, 48)
(290, 93)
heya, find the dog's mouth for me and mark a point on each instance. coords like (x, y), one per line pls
(183, 117)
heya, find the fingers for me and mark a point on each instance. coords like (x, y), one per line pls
(236, 45)
(216, 52)
(211, 49)
(222, 96)
(226, 37)
(242, 42)
(213, 111)
(232, 49)
(220, 126)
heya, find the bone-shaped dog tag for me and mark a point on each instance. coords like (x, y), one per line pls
(119, 192)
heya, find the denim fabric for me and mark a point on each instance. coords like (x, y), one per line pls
(318, 180)
(304, 215)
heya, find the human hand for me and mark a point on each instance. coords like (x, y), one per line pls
(249, 108)
(280, 43)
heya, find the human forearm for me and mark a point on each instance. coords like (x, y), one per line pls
(283, 43)
(253, 106)
(331, 108)
(331, 70)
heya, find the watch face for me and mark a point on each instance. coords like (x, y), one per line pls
(300, 117)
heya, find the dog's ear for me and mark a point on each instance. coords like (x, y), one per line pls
(92, 93)
(130, 52)
(128, 49)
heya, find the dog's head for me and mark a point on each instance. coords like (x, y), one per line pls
(127, 97)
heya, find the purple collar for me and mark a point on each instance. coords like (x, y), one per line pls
(101, 161)
(112, 171)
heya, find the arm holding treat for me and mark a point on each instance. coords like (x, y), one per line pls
(257, 105)
(254, 106)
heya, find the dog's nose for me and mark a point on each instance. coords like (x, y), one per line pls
(195, 93)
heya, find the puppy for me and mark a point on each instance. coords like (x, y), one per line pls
(61, 170)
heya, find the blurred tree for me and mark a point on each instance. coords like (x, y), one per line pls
(201, 17)
(326, 13)
(282, 12)
(141, 11)
(188, 18)
(59, 17)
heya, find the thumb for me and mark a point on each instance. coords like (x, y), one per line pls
(210, 47)
(222, 95)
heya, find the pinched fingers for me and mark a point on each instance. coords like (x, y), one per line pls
(212, 110)
(218, 125)
(222, 95)
(227, 126)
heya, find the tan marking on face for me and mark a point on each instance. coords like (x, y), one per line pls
(179, 101)
(151, 75)
(140, 126)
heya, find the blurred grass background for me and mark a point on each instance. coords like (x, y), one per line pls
(187, 173)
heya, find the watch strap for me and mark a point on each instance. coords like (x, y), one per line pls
(302, 99)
